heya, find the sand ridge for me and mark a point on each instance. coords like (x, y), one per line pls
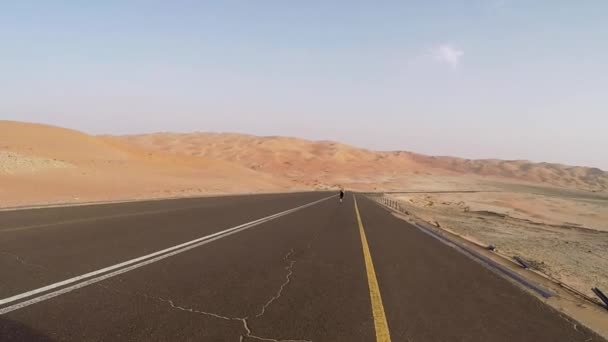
(42, 163)
(332, 162)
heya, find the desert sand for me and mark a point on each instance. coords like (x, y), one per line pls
(554, 215)
(562, 233)
(326, 162)
(42, 164)
(46, 164)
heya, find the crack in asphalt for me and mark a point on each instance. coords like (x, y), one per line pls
(243, 320)
(211, 314)
(259, 338)
(289, 269)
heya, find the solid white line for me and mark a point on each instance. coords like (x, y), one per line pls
(141, 261)
(120, 271)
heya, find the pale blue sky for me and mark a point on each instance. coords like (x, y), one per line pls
(479, 78)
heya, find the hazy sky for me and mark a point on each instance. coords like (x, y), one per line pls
(480, 78)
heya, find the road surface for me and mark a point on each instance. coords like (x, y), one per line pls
(285, 267)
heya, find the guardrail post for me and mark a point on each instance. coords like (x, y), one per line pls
(602, 296)
(522, 262)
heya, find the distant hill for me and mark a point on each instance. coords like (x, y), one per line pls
(43, 164)
(329, 162)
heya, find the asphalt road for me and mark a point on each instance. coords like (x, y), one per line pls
(110, 273)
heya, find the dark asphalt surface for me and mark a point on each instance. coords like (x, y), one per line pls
(297, 277)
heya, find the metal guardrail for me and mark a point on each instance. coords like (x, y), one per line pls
(392, 203)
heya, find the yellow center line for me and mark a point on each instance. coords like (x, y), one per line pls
(380, 323)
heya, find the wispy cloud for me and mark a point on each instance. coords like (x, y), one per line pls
(448, 54)
(497, 7)
(498, 4)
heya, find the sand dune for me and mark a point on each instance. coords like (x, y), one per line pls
(41, 164)
(332, 163)
(555, 174)
(55, 143)
(561, 230)
(312, 164)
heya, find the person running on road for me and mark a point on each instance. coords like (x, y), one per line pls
(341, 195)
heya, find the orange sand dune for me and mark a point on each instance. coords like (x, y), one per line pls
(55, 142)
(41, 163)
(586, 178)
(335, 163)
(306, 162)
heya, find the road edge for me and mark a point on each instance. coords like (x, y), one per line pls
(566, 304)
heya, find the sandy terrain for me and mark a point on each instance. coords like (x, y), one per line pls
(42, 164)
(313, 164)
(325, 162)
(16, 163)
(563, 233)
(553, 215)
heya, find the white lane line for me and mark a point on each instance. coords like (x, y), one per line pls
(120, 271)
(141, 261)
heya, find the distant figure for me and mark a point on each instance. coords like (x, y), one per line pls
(341, 195)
